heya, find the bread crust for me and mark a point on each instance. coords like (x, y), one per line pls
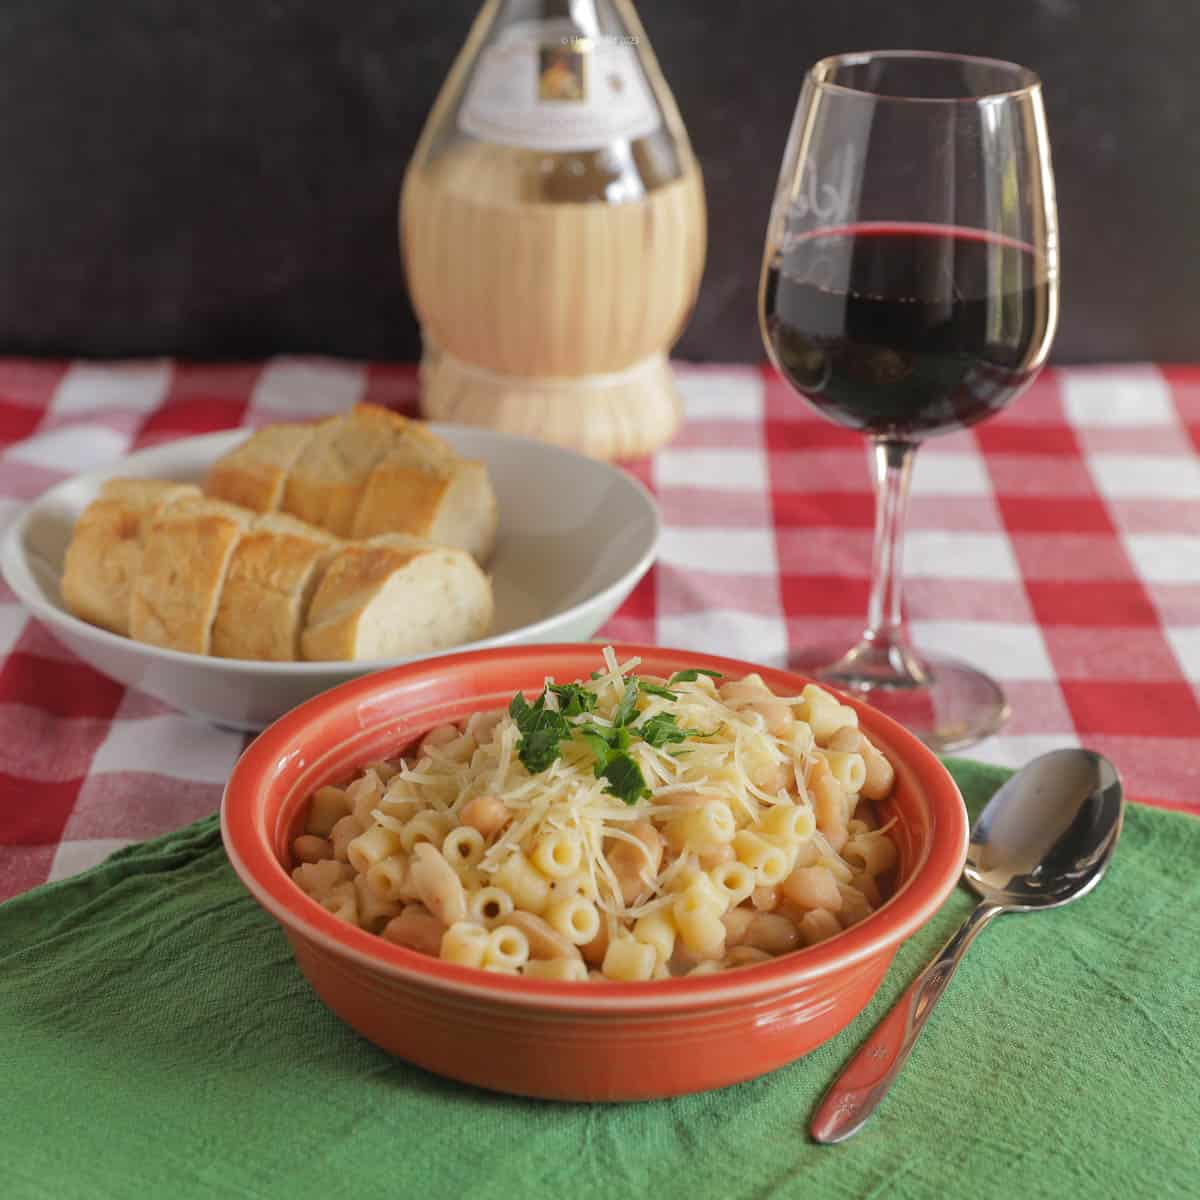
(104, 556)
(254, 474)
(272, 576)
(326, 484)
(185, 556)
(393, 596)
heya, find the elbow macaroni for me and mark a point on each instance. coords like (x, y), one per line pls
(758, 836)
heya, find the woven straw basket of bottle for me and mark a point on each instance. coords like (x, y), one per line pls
(552, 225)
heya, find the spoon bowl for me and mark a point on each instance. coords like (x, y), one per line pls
(1044, 839)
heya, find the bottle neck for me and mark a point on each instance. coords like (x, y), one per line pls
(582, 13)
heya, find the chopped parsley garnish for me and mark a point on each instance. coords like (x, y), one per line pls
(604, 741)
(541, 730)
(625, 778)
(692, 674)
(573, 699)
(656, 689)
(663, 728)
(544, 729)
(627, 705)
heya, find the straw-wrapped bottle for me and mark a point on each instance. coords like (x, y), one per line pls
(552, 224)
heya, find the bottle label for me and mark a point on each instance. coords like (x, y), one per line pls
(541, 86)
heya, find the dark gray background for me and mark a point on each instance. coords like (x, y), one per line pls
(219, 179)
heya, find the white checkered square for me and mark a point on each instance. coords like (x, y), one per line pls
(729, 632)
(1165, 557)
(1146, 476)
(169, 745)
(951, 474)
(299, 388)
(994, 647)
(1186, 644)
(12, 623)
(1016, 750)
(90, 387)
(729, 469)
(72, 448)
(742, 551)
(941, 554)
(71, 857)
(1116, 397)
(708, 395)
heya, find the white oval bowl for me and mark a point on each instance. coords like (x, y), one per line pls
(575, 536)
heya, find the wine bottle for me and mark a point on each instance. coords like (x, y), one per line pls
(552, 228)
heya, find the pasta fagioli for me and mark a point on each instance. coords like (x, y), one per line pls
(678, 826)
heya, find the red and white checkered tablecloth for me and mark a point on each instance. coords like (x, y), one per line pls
(1056, 546)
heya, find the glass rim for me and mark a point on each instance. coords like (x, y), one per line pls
(1030, 82)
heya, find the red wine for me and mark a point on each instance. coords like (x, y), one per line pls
(907, 330)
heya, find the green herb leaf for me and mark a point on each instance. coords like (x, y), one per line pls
(604, 742)
(692, 674)
(625, 779)
(598, 744)
(661, 730)
(541, 730)
(573, 699)
(627, 708)
(656, 689)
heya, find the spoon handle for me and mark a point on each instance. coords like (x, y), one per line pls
(864, 1081)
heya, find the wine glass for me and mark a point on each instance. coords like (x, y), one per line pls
(910, 287)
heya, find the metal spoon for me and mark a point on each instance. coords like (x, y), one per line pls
(1044, 839)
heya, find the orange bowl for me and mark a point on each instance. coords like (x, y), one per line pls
(567, 1041)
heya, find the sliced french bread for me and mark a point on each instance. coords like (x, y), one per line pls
(326, 484)
(393, 596)
(104, 556)
(371, 471)
(185, 556)
(254, 473)
(271, 579)
(448, 502)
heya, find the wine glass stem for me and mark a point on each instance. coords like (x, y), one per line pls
(885, 642)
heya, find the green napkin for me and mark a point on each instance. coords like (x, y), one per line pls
(157, 1041)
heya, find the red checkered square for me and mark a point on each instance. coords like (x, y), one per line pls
(59, 689)
(1008, 437)
(1132, 655)
(202, 398)
(1055, 514)
(1058, 557)
(36, 812)
(23, 867)
(801, 510)
(1091, 602)
(824, 595)
(1183, 380)
(17, 421)
(191, 415)
(26, 389)
(1143, 709)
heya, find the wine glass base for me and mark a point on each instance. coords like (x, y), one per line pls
(953, 706)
